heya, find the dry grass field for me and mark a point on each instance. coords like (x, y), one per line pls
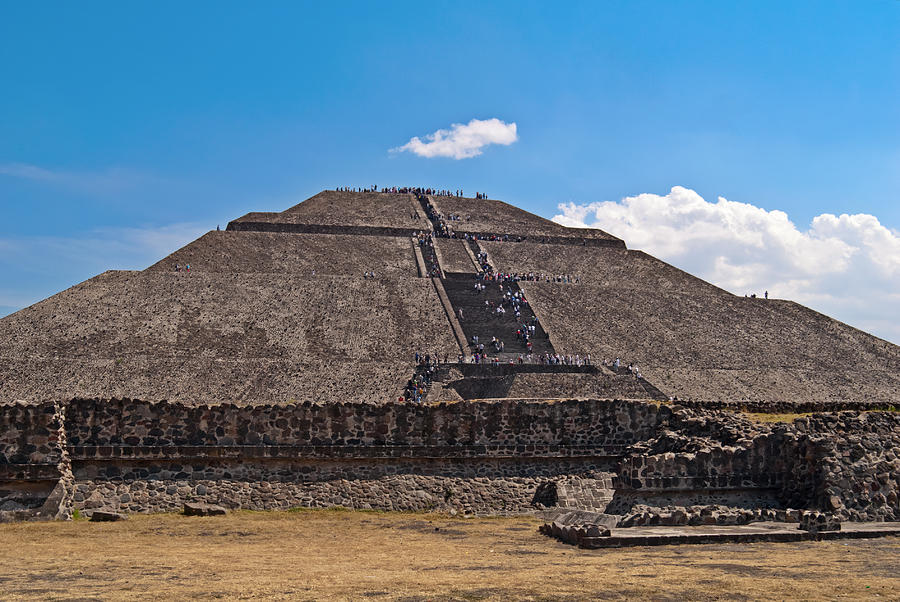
(315, 555)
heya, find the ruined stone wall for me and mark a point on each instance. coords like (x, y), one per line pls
(472, 457)
(853, 463)
(715, 468)
(28, 434)
(481, 486)
(789, 407)
(35, 475)
(607, 424)
(480, 457)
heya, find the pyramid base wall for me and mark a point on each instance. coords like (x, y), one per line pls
(482, 458)
(472, 486)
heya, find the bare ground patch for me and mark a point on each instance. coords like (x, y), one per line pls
(314, 555)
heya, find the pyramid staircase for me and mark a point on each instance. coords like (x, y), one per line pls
(473, 302)
(480, 319)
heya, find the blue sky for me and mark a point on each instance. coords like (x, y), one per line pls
(126, 129)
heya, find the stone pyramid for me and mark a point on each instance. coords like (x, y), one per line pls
(329, 300)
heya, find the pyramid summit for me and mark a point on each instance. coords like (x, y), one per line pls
(331, 299)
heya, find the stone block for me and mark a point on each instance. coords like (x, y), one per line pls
(198, 509)
(816, 522)
(593, 543)
(596, 531)
(570, 535)
(556, 529)
(106, 516)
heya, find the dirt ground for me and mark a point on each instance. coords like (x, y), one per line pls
(330, 554)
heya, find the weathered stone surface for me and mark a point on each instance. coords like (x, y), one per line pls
(201, 509)
(284, 307)
(597, 531)
(646, 465)
(584, 535)
(815, 522)
(291, 298)
(581, 517)
(105, 516)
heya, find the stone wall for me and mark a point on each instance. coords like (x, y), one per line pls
(478, 457)
(789, 407)
(453, 256)
(293, 254)
(35, 474)
(479, 486)
(715, 468)
(603, 424)
(28, 434)
(853, 463)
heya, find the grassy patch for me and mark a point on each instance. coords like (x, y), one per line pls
(761, 417)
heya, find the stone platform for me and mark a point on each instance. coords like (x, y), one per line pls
(753, 532)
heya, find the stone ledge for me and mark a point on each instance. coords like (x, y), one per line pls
(550, 240)
(738, 480)
(29, 472)
(187, 452)
(754, 532)
(788, 407)
(473, 370)
(320, 229)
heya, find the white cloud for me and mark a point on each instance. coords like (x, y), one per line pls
(35, 267)
(29, 172)
(112, 248)
(113, 180)
(846, 266)
(462, 141)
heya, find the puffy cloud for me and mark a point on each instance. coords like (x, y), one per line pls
(462, 141)
(846, 266)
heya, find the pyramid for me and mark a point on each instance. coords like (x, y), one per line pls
(329, 300)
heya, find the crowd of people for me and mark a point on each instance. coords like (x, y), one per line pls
(528, 277)
(408, 190)
(512, 301)
(417, 387)
(438, 220)
(426, 244)
(543, 359)
(355, 189)
(448, 233)
(442, 229)
(443, 223)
